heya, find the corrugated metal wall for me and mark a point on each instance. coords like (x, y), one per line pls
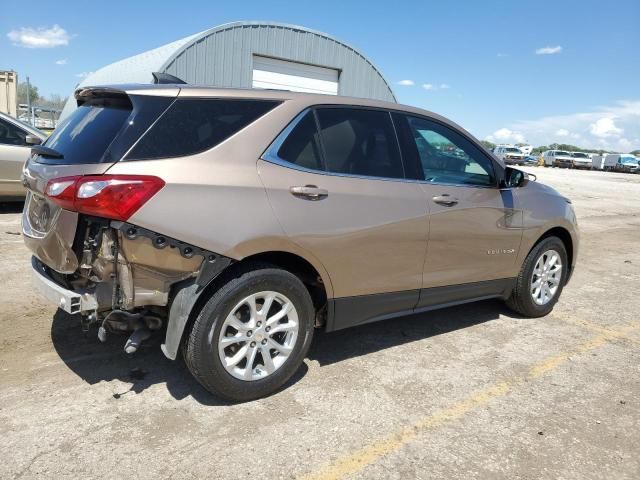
(224, 57)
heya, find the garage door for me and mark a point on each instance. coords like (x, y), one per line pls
(297, 77)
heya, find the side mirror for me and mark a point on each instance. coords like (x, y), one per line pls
(514, 178)
(33, 140)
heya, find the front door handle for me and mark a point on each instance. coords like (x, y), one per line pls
(445, 200)
(309, 192)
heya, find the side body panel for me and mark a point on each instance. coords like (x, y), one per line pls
(475, 240)
(12, 159)
(370, 234)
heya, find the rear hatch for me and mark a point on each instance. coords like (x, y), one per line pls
(106, 124)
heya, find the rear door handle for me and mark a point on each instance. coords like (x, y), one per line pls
(446, 200)
(309, 192)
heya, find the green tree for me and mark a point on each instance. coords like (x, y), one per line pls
(487, 144)
(22, 93)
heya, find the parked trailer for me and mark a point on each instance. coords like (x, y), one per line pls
(9, 93)
(597, 162)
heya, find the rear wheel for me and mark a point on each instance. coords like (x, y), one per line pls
(541, 279)
(251, 335)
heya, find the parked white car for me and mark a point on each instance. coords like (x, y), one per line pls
(558, 158)
(581, 160)
(510, 155)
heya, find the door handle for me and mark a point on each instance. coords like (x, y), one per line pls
(445, 200)
(309, 192)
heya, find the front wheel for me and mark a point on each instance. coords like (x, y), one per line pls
(252, 334)
(541, 279)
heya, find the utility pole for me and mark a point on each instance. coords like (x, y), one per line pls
(30, 112)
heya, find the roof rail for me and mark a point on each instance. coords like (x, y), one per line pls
(160, 78)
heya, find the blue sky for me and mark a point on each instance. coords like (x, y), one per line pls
(474, 62)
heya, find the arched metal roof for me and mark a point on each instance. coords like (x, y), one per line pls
(223, 56)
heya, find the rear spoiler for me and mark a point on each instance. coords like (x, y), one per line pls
(90, 93)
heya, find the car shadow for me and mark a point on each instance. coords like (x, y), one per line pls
(95, 362)
(12, 207)
(333, 347)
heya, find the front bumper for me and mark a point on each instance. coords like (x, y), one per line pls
(70, 301)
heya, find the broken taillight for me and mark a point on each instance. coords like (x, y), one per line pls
(110, 196)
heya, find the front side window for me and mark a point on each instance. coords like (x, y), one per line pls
(11, 135)
(359, 142)
(446, 156)
(193, 125)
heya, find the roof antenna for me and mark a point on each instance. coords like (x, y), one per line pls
(160, 78)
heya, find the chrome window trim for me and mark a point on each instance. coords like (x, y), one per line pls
(271, 155)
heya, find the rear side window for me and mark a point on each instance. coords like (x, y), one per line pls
(194, 125)
(359, 142)
(302, 147)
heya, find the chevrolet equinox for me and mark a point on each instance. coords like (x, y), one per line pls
(235, 222)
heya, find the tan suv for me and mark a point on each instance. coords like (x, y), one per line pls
(235, 222)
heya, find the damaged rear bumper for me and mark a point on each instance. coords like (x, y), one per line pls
(70, 301)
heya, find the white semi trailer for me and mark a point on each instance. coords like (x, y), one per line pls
(9, 93)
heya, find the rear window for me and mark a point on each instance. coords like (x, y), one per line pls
(194, 125)
(103, 129)
(86, 134)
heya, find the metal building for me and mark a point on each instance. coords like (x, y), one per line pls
(254, 54)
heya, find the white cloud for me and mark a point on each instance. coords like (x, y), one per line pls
(406, 83)
(431, 86)
(605, 127)
(502, 55)
(601, 127)
(62, 61)
(83, 74)
(549, 50)
(40, 37)
(562, 132)
(505, 135)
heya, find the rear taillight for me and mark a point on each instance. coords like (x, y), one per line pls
(109, 196)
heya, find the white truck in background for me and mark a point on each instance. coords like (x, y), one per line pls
(621, 162)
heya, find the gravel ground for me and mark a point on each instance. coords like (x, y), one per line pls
(466, 392)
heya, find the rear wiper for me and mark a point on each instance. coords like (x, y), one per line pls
(46, 151)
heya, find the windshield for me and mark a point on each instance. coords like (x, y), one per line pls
(629, 160)
(513, 150)
(560, 153)
(580, 155)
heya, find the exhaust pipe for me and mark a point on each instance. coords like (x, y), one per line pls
(136, 339)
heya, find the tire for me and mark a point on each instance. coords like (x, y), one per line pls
(202, 352)
(521, 299)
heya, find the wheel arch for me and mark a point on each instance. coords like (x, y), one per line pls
(315, 279)
(565, 236)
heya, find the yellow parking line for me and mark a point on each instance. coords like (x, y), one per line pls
(594, 327)
(360, 459)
